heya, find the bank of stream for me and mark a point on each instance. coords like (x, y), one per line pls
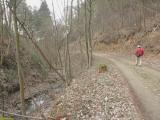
(40, 100)
(44, 99)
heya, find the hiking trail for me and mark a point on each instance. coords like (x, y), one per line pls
(144, 81)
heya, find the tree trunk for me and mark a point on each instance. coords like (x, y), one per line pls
(68, 72)
(86, 36)
(56, 37)
(21, 81)
(122, 14)
(2, 47)
(90, 33)
(80, 42)
(144, 20)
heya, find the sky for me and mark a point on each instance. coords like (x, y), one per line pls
(58, 6)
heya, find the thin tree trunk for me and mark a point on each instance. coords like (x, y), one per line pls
(86, 35)
(144, 20)
(90, 33)
(2, 47)
(56, 37)
(122, 14)
(68, 71)
(21, 81)
(65, 50)
(80, 43)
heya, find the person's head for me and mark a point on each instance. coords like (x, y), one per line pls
(138, 46)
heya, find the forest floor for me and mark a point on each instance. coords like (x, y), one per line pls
(124, 92)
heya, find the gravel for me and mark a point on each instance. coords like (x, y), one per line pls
(97, 96)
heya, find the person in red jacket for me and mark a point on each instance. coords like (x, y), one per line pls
(139, 53)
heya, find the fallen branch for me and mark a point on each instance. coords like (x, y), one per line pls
(18, 115)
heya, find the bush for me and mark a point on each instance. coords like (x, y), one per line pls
(102, 68)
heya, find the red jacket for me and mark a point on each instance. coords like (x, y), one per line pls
(139, 52)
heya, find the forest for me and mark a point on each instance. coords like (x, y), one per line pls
(44, 57)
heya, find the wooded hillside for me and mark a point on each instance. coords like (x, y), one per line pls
(35, 42)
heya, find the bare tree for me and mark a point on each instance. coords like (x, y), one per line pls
(80, 37)
(86, 35)
(122, 13)
(56, 36)
(88, 31)
(2, 30)
(21, 81)
(69, 16)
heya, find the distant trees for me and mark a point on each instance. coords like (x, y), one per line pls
(42, 24)
(113, 15)
(4, 26)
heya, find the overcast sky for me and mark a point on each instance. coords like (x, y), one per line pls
(58, 4)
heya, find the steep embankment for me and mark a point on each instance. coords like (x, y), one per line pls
(150, 42)
(33, 75)
(126, 39)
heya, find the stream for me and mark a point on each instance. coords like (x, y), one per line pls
(37, 102)
(44, 100)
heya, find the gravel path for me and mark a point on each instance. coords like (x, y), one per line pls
(144, 81)
(97, 96)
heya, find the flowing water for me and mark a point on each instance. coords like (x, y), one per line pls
(43, 99)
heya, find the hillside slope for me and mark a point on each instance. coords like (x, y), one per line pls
(126, 39)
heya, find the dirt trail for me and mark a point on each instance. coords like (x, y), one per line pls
(145, 82)
(97, 96)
